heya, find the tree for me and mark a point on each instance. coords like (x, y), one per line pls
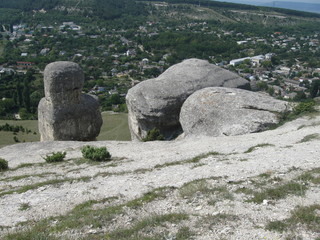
(19, 94)
(314, 88)
(26, 95)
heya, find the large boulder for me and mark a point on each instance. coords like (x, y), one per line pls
(65, 113)
(156, 103)
(220, 111)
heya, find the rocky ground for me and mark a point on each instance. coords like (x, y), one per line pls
(256, 186)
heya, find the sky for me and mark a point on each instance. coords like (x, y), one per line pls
(264, 1)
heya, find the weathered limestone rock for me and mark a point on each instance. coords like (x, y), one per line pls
(156, 103)
(228, 111)
(65, 113)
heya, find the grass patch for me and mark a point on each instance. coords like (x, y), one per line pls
(244, 190)
(265, 175)
(195, 159)
(310, 125)
(41, 184)
(17, 178)
(308, 216)
(135, 231)
(83, 215)
(38, 232)
(25, 165)
(279, 192)
(115, 127)
(7, 138)
(148, 197)
(184, 233)
(220, 194)
(170, 164)
(278, 226)
(312, 176)
(310, 137)
(189, 189)
(251, 149)
(24, 206)
(201, 186)
(220, 218)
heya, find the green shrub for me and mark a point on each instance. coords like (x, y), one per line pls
(304, 107)
(95, 153)
(153, 135)
(55, 157)
(3, 164)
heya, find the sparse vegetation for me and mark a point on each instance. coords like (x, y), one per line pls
(148, 197)
(220, 218)
(136, 231)
(196, 159)
(3, 164)
(302, 108)
(184, 233)
(251, 149)
(153, 135)
(189, 189)
(55, 157)
(98, 154)
(310, 137)
(303, 215)
(278, 192)
(26, 188)
(24, 206)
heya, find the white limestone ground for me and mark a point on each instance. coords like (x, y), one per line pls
(138, 167)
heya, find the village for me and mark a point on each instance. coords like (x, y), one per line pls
(114, 60)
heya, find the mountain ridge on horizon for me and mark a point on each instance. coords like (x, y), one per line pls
(298, 5)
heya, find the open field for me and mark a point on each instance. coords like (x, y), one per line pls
(7, 138)
(115, 127)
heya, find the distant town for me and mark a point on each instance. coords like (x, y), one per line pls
(282, 63)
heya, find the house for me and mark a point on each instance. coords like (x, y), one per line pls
(6, 71)
(241, 42)
(256, 60)
(235, 62)
(24, 65)
(145, 61)
(131, 52)
(44, 51)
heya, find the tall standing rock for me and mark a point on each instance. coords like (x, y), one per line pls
(156, 103)
(65, 113)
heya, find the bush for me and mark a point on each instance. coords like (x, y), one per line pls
(3, 164)
(95, 154)
(55, 157)
(304, 107)
(153, 135)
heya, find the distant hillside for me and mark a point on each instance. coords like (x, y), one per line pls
(300, 6)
